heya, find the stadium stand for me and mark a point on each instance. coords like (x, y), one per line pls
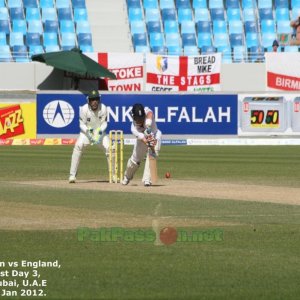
(31, 26)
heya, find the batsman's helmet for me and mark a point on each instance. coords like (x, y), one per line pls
(93, 95)
(138, 112)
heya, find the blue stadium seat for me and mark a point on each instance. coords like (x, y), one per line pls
(249, 14)
(49, 13)
(204, 39)
(235, 27)
(5, 54)
(226, 54)
(208, 50)
(266, 14)
(153, 26)
(20, 53)
(46, 3)
(67, 26)
(53, 48)
(236, 39)
(284, 27)
(142, 49)
(173, 39)
(137, 27)
(159, 50)
(80, 14)
(50, 39)
(168, 14)
(68, 40)
(252, 39)
(19, 26)
(150, 4)
(188, 27)
(16, 38)
(14, 3)
(156, 39)
(282, 4)
(36, 49)
(190, 51)
(171, 26)
(219, 26)
(51, 26)
(152, 14)
(166, 4)
(232, 4)
(16, 13)
(84, 39)
(203, 26)
(86, 48)
(79, 4)
(217, 14)
(2, 3)
(3, 40)
(264, 4)
(215, 4)
(256, 54)
(33, 39)
(134, 14)
(239, 54)
(139, 39)
(33, 13)
(183, 3)
(30, 3)
(201, 14)
(267, 26)
(5, 26)
(35, 26)
(62, 3)
(175, 50)
(184, 14)
(199, 4)
(251, 26)
(133, 3)
(83, 27)
(295, 13)
(282, 14)
(188, 39)
(233, 14)
(267, 39)
(221, 40)
(4, 13)
(64, 13)
(248, 4)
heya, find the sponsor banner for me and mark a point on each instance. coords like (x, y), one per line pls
(175, 114)
(283, 71)
(174, 73)
(174, 142)
(17, 120)
(37, 142)
(276, 114)
(128, 68)
(58, 113)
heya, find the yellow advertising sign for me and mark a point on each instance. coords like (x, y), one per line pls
(18, 120)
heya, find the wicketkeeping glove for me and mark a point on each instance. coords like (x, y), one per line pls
(90, 135)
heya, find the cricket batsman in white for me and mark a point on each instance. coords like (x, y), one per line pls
(92, 123)
(147, 135)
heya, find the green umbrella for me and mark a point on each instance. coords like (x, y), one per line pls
(75, 63)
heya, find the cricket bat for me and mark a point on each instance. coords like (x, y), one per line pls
(152, 164)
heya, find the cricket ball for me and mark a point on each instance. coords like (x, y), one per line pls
(168, 235)
(168, 175)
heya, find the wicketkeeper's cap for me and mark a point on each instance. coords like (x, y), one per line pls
(138, 111)
(93, 95)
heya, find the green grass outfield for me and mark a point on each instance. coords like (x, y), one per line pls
(257, 258)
